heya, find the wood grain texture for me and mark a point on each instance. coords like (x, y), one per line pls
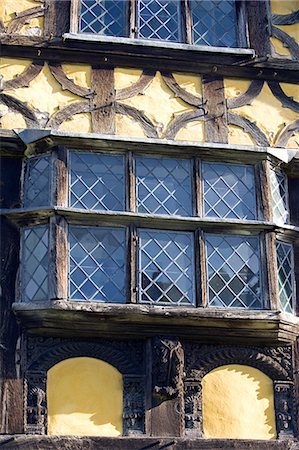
(271, 270)
(182, 120)
(67, 83)
(67, 112)
(102, 103)
(58, 246)
(249, 127)
(286, 133)
(215, 106)
(181, 93)
(287, 102)
(264, 196)
(57, 18)
(285, 19)
(20, 107)
(287, 41)
(23, 17)
(140, 117)
(258, 26)
(24, 79)
(137, 88)
(247, 97)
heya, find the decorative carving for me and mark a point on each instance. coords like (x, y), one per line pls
(181, 93)
(180, 121)
(286, 133)
(284, 406)
(168, 368)
(249, 127)
(24, 79)
(67, 83)
(67, 112)
(23, 17)
(287, 41)
(193, 409)
(287, 102)
(36, 409)
(139, 116)
(247, 97)
(137, 88)
(133, 413)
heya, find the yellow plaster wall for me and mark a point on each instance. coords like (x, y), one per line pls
(285, 7)
(9, 8)
(79, 73)
(265, 110)
(238, 403)
(84, 398)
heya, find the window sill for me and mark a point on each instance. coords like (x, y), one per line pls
(91, 319)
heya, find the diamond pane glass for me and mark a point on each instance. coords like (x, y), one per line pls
(166, 268)
(279, 197)
(214, 22)
(104, 17)
(35, 263)
(285, 265)
(37, 182)
(229, 191)
(159, 19)
(97, 264)
(97, 182)
(233, 271)
(163, 186)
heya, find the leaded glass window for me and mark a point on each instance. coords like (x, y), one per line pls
(279, 196)
(214, 23)
(97, 181)
(159, 19)
(35, 263)
(166, 268)
(163, 186)
(229, 191)
(233, 270)
(285, 266)
(37, 182)
(97, 264)
(105, 17)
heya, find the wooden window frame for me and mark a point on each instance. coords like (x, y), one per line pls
(64, 215)
(185, 23)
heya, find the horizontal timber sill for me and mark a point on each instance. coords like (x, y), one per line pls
(41, 140)
(121, 52)
(30, 442)
(67, 318)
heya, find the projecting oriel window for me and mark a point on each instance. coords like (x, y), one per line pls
(166, 268)
(163, 186)
(199, 22)
(37, 182)
(97, 264)
(229, 191)
(97, 181)
(233, 266)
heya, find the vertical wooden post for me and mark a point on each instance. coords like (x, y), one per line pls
(271, 270)
(57, 17)
(203, 277)
(60, 177)
(259, 26)
(216, 119)
(264, 199)
(103, 109)
(58, 252)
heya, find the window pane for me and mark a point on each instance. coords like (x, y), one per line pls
(97, 182)
(285, 265)
(214, 22)
(279, 196)
(97, 264)
(229, 191)
(166, 268)
(105, 17)
(233, 271)
(37, 182)
(35, 263)
(163, 186)
(159, 19)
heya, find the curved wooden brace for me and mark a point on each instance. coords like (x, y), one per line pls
(137, 88)
(139, 116)
(287, 40)
(287, 19)
(247, 97)
(286, 133)
(249, 127)
(67, 112)
(24, 79)
(67, 83)
(20, 107)
(287, 102)
(180, 92)
(178, 122)
(2, 27)
(16, 24)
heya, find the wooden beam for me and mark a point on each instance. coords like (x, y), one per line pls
(57, 18)
(214, 99)
(103, 114)
(58, 252)
(259, 26)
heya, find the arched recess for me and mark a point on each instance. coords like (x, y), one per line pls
(238, 403)
(84, 397)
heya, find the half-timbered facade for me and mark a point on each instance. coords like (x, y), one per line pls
(149, 224)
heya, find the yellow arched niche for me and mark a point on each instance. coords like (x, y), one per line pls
(85, 397)
(238, 403)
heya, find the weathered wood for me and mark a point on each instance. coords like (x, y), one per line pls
(187, 97)
(147, 126)
(11, 397)
(264, 197)
(182, 120)
(60, 179)
(23, 17)
(287, 102)
(20, 107)
(203, 276)
(137, 88)
(74, 14)
(57, 18)
(67, 112)
(258, 26)
(271, 270)
(131, 263)
(216, 120)
(286, 133)
(296, 269)
(67, 83)
(247, 97)
(103, 114)
(296, 380)
(287, 41)
(285, 19)
(293, 190)
(249, 127)
(58, 253)
(24, 79)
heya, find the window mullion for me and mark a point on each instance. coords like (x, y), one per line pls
(187, 21)
(197, 189)
(130, 182)
(58, 252)
(264, 202)
(201, 272)
(133, 19)
(75, 16)
(60, 177)
(270, 272)
(132, 264)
